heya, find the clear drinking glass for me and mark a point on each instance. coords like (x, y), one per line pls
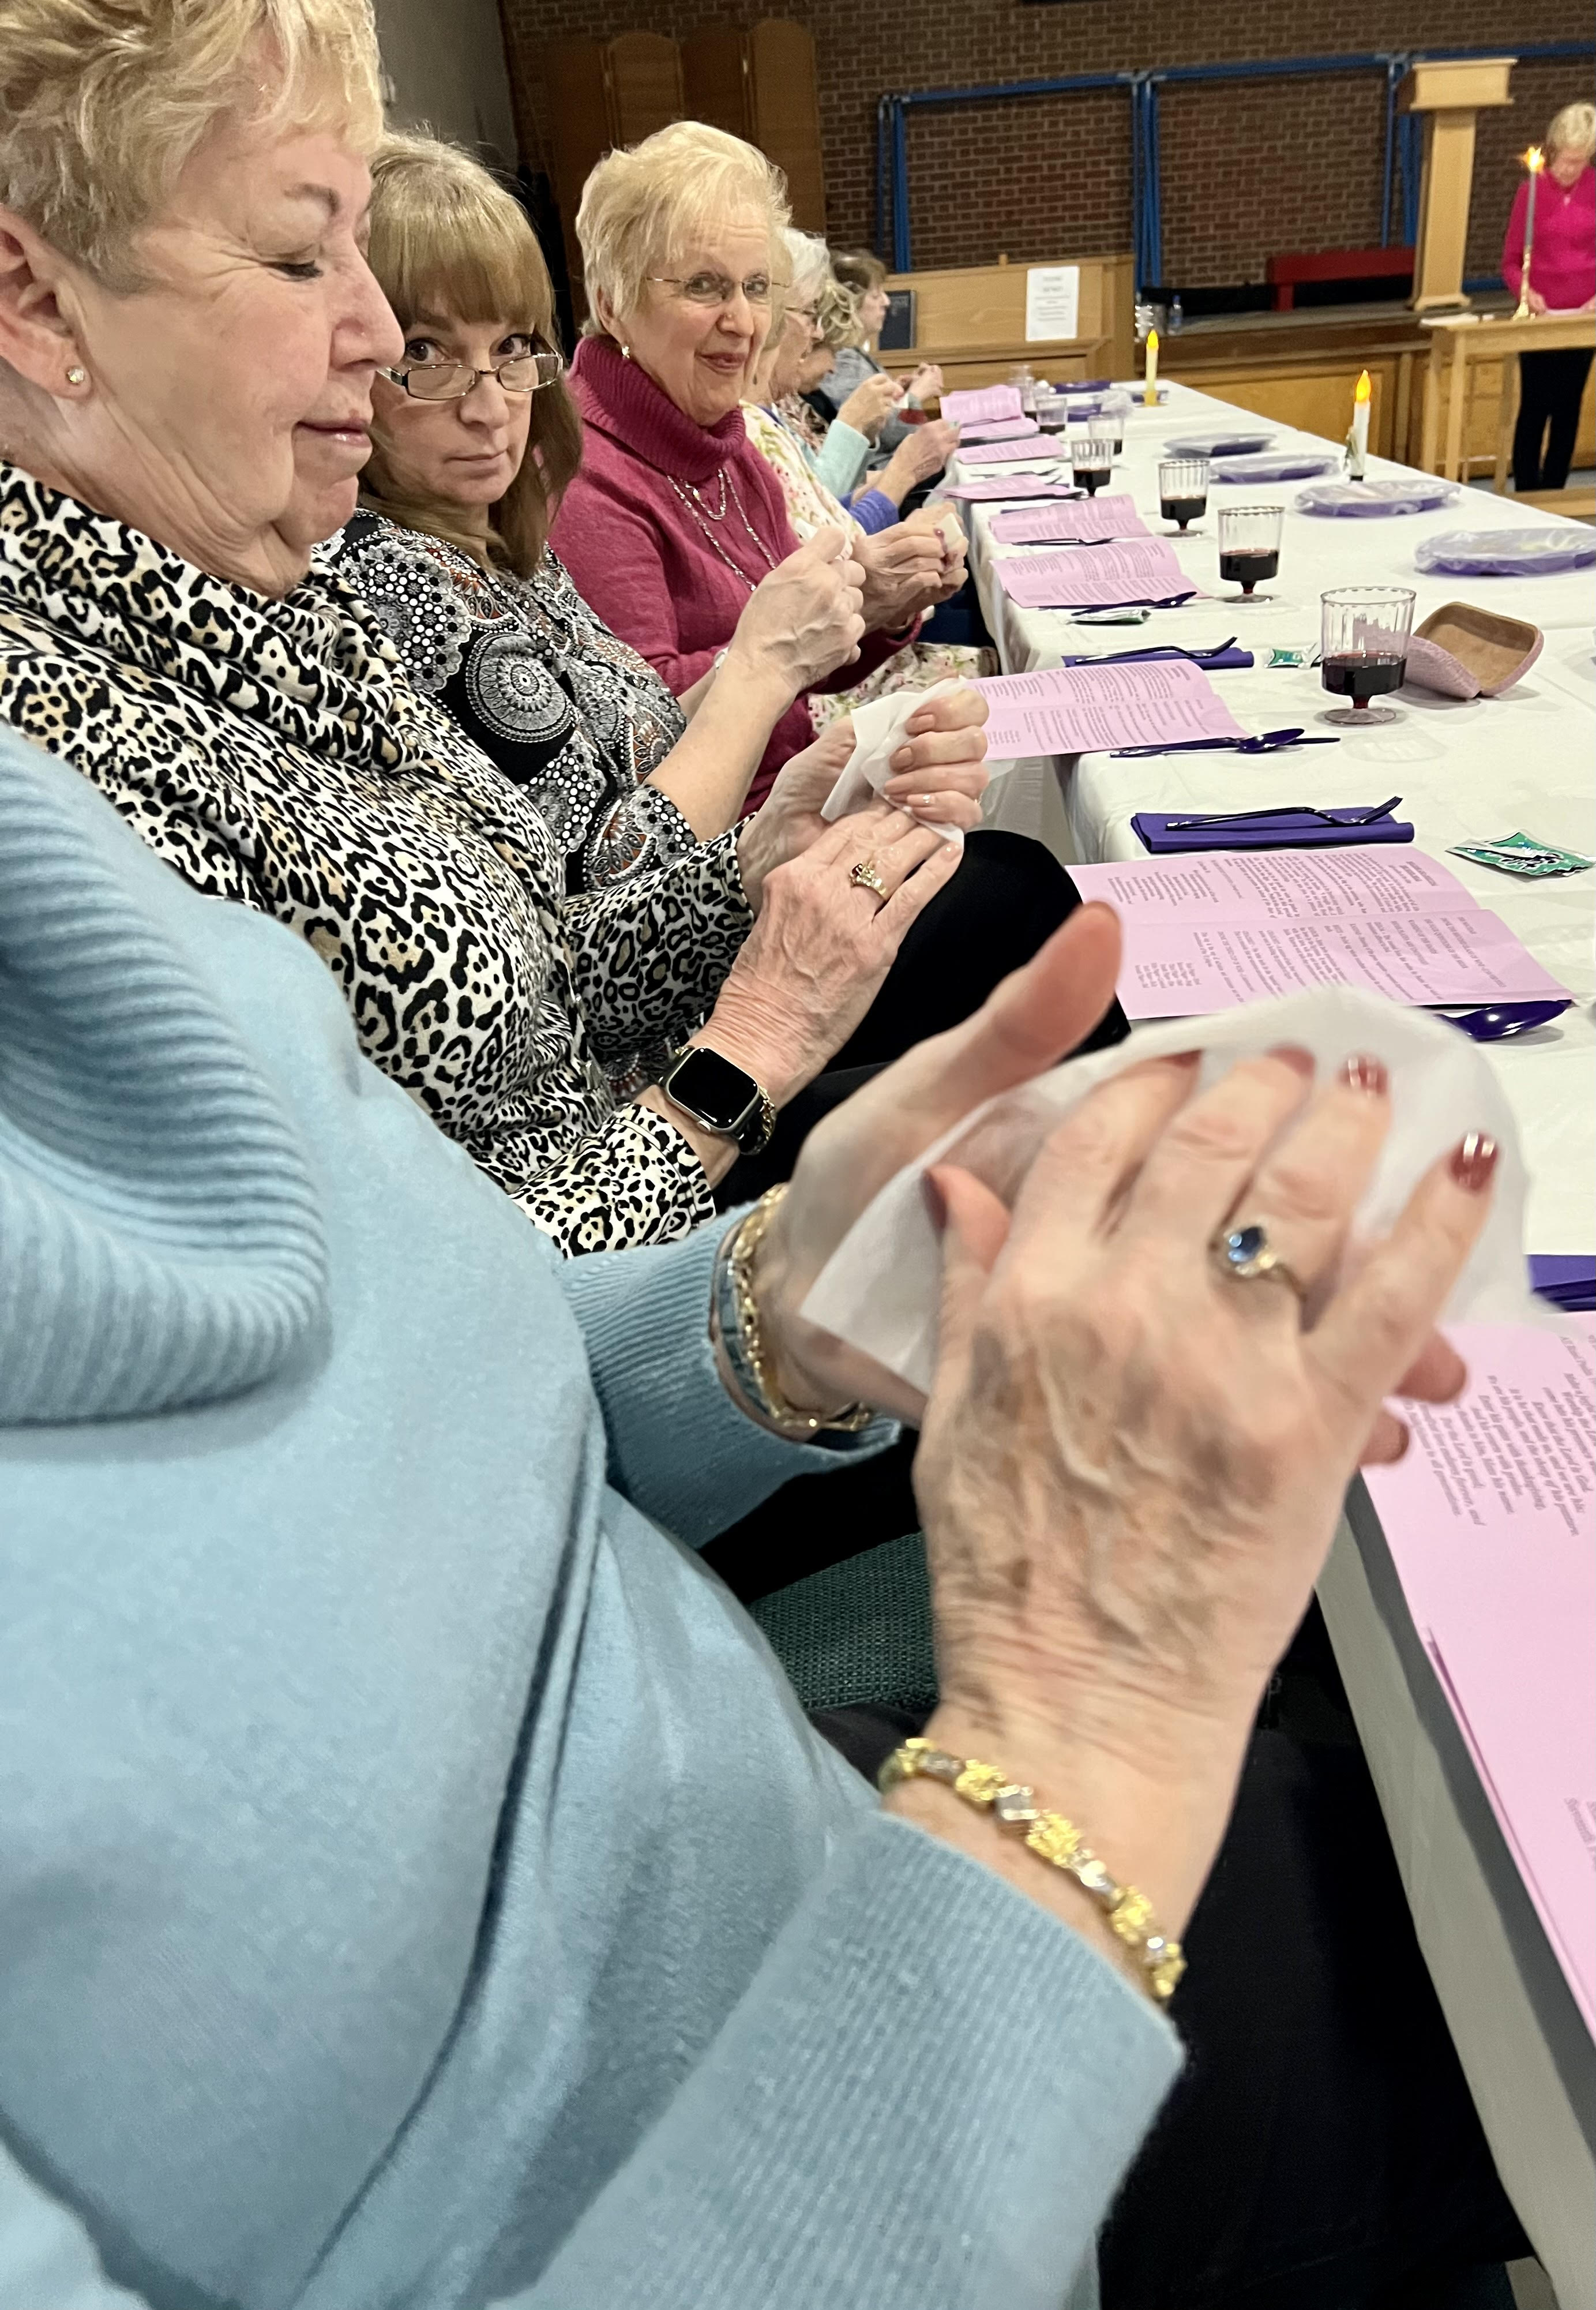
(1117, 405)
(1363, 631)
(1053, 412)
(1250, 547)
(1104, 427)
(1183, 490)
(1091, 456)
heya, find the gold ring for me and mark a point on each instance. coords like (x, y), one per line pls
(867, 875)
(1246, 1255)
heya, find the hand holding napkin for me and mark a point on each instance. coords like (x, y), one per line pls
(878, 733)
(880, 1291)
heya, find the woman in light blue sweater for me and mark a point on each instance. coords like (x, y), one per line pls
(417, 1885)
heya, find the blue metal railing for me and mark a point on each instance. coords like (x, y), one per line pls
(1402, 159)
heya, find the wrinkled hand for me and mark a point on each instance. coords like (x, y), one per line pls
(1031, 1021)
(814, 961)
(870, 403)
(950, 537)
(1131, 1466)
(904, 570)
(940, 775)
(926, 383)
(806, 617)
(924, 451)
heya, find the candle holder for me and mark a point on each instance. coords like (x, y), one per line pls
(1534, 161)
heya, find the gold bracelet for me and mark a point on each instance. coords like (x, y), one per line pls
(1054, 1839)
(769, 1406)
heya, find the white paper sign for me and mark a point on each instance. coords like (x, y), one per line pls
(1052, 301)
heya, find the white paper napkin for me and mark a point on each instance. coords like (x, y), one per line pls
(878, 733)
(879, 1289)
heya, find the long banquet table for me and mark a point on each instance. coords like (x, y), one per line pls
(1467, 771)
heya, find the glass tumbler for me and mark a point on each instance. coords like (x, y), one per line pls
(1250, 546)
(1183, 490)
(1364, 632)
(1117, 405)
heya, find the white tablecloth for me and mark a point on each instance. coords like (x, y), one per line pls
(1466, 772)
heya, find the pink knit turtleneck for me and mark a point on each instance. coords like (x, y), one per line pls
(653, 558)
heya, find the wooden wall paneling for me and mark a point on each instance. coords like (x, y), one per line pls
(644, 77)
(714, 80)
(970, 319)
(785, 108)
(579, 131)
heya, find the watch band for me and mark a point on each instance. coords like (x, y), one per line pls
(751, 1129)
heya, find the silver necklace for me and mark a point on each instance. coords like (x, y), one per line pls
(701, 512)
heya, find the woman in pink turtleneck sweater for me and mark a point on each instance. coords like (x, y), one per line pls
(1562, 279)
(671, 524)
(674, 516)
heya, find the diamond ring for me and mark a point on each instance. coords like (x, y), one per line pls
(867, 875)
(1244, 1253)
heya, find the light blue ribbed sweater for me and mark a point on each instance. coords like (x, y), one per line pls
(417, 1885)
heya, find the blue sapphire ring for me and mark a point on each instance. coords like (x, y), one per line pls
(1245, 1255)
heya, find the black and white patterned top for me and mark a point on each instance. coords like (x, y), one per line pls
(562, 705)
(277, 753)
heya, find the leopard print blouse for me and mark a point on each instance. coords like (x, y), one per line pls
(276, 753)
(563, 706)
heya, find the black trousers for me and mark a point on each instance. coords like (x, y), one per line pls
(1551, 387)
(1008, 898)
(1319, 2151)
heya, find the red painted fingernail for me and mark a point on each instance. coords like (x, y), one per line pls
(1474, 1161)
(1366, 1074)
(936, 1203)
(1294, 1056)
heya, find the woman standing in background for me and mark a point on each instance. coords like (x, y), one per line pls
(1562, 280)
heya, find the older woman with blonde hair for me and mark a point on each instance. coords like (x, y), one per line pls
(1562, 279)
(474, 442)
(674, 518)
(417, 1884)
(190, 336)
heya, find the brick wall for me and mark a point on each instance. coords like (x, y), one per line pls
(1247, 170)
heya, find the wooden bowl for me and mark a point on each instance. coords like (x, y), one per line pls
(1463, 652)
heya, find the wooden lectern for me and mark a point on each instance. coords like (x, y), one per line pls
(1450, 95)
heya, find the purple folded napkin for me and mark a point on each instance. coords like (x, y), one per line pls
(1291, 829)
(1567, 1279)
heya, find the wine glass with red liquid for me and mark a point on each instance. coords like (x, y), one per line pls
(1183, 490)
(1091, 459)
(1250, 547)
(1363, 652)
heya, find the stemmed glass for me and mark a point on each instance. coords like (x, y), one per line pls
(1091, 456)
(1363, 636)
(1183, 490)
(1116, 407)
(1250, 546)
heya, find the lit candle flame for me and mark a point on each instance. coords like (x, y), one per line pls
(1363, 390)
(1152, 342)
(1534, 160)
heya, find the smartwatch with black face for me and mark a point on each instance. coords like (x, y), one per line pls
(724, 1098)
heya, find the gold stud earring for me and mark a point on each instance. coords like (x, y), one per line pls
(76, 375)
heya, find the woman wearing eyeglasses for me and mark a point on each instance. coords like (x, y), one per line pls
(474, 438)
(675, 519)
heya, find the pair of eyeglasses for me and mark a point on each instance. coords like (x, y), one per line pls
(716, 287)
(453, 380)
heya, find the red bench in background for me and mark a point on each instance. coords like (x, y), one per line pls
(1283, 274)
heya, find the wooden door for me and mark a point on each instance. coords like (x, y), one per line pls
(786, 114)
(714, 80)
